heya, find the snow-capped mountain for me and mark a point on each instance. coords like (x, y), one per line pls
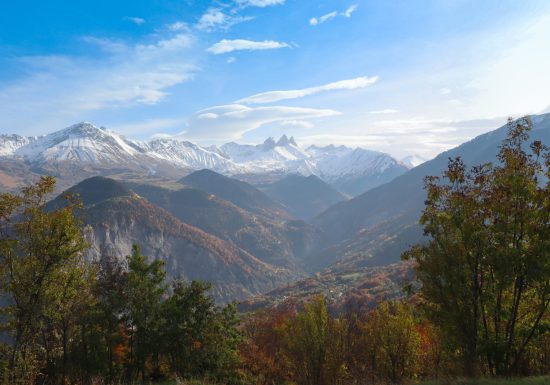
(11, 143)
(190, 155)
(412, 161)
(81, 142)
(269, 154)
(334, 162)
(352, 170)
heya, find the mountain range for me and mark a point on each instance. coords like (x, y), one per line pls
(210, 213)
(377, 226)
(86, 150)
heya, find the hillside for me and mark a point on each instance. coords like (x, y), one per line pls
(303, 197)
(280, 243)
(235, 191)
(120, 218)
(377, 226)
(358, 289)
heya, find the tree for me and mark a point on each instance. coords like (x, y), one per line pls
(315, 345)
(393, 335)
(145, 289)
(263, 346)
(200, 338)
(485, 271)
(37, 247)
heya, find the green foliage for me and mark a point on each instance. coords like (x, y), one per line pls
(145, 288)
(43, 276)
(394, 331)
(314, 345)
(200, 338)
(66, 320)
(485, 272)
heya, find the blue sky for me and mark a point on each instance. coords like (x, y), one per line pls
(402, 76)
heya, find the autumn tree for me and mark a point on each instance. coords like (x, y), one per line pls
(263, 347)
(315, 345)
(393, 334)
(38, 247)
(485, 270)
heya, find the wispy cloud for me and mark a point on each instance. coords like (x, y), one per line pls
(322, 19)
(348, 12)
(135, 20)
(226, 46)
(332, 15)
(259, 3)
(275, 96)
(126, 76)
(178, 26)
(297, 124)
(149, 127)
(230, 122)
(384, 111)
(415, 135)
(215, 18)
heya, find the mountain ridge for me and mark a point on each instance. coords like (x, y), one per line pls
(106, 152)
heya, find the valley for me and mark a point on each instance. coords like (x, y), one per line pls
(256, 221)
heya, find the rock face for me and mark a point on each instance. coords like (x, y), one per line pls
(121, 218)
(274, 240)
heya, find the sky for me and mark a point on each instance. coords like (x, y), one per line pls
(403, 76)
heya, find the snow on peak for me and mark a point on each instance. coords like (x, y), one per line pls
(329, 163)
(190, 155)
(86, 143)
(283, 155)
(80, 142)
(269, 143)
(11, 143)
(285, 141)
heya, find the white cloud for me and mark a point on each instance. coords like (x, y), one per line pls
(148, 127)
(74, 87)
(259, 3)
(348, 12)
(385, 111)
(178, 26)
(322, 19)
(231, 59)
(226, 46)
(214, 18)
(208, 115)
(135, 20)
(445, 91)
(230, 122)
(332, 15)
(402, 137)
(297, 124)
(275, 96)
(107, 45)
